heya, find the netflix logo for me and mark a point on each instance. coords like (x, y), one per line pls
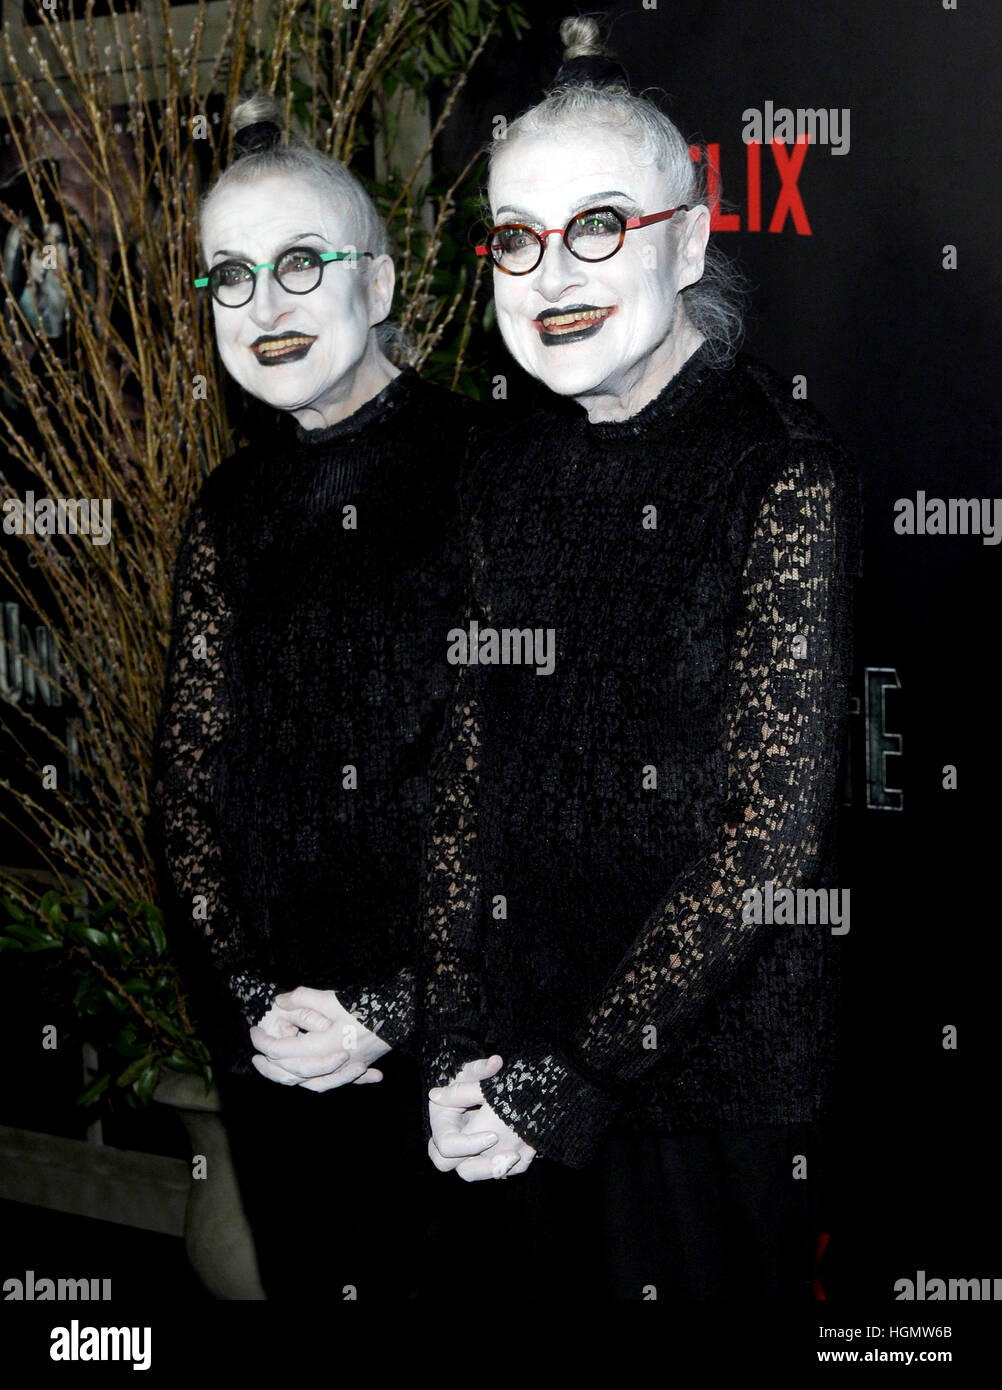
(786, 160)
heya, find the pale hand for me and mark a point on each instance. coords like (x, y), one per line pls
(467, 1135)
(307, 1038)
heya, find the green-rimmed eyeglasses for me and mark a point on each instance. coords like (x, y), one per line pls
(298, 270)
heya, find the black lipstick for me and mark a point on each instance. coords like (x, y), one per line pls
(299, 345)
(574, 323)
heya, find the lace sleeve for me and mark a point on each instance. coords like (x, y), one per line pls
(193, 721)
(451, 995)
(785, 716)
(387, 1009)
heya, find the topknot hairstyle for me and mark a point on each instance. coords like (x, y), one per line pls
(260, 150)
(591, 90)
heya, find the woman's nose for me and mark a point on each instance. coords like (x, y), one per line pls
(558, 270)
(267, 302)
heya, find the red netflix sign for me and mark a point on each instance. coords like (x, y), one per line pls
(788, 160)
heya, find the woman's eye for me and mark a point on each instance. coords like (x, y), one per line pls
(231, 274)
(297, 260)
(598, 224)
(514, 238)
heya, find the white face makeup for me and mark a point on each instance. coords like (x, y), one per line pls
(331, 363)
(630, 335)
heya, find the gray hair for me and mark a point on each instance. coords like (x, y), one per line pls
(299, 159)
(714, 305)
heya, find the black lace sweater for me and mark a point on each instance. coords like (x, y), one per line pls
(596, 827)
(306, 688)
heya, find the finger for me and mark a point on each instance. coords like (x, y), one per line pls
(522, 1163)
(486, 1066)
(308, 1066)
(312, 1020)
(487, 1167)
(444, 1165)
(453, 1136)
(344, 1077)
(459, 1096)
(369, 1077)
(275, 1025)
(301, 1045)
(454, 1144)
(274, 1072)
(305, 998)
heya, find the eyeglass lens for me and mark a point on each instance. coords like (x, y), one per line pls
(592, 236)
(297, 271)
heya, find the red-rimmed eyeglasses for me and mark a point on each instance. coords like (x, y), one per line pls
(594, 235)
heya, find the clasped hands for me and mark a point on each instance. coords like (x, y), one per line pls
(307, 1038)
(468, 1135)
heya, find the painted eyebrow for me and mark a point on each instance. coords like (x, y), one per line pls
(299, 236)
(591, 200)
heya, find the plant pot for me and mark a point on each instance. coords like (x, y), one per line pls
(217, 1236)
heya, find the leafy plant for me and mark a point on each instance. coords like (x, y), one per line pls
(127, 993)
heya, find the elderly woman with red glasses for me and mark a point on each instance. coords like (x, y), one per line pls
(611, 1018)
(306, 687)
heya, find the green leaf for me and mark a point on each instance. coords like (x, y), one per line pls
(146, 1084)
(178, 1062)
(134, 1069)
(116, 1002)
(159, 937)
(117, 946)
(439, 49)
(89, 936)
(47, 901)
(15, 910)
(23, 931)
(93, 1091)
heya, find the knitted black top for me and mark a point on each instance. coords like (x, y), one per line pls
(597, 826)
(306, 689)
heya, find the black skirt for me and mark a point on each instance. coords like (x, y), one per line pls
(344, 1204)
(723, 1215)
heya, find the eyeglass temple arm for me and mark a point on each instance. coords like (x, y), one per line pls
(632, 222)
(203, 280)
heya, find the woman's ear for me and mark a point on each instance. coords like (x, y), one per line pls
(379, 288)
(692, 245)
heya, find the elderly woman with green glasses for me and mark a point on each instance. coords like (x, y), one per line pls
(306, 685)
